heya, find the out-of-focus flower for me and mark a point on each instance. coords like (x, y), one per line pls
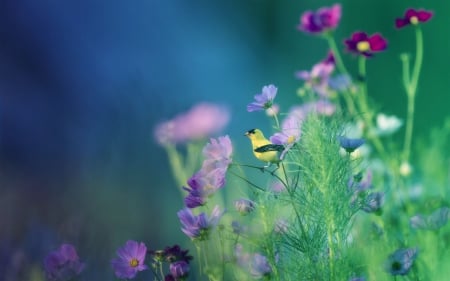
(289, 135)
(63, 264)
(360, 183)
(317, 79)
(217, 154)
(350, 144)
(387, 125)
(179, 270)
(259, 266)
(198, 227)
(340, 82)
(413, 17)
(432, 222)
(238, 228)
(211, 176)
(401, 261)
(361, 43)
(324, 19)
(373, 202)
(405, 169)
(201, 121)
(130, 261)
(244, 206)
(264, 100)
(277, 187)
(272, 111)
(256, 264)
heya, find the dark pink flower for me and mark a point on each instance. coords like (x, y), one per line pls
(365, 45)
(413, 17)
(326, 18)
(130, 261)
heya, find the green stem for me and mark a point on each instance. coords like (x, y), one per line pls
(336, 53)
(341, 67)
(366, 113)
(176, 165)
(411, 91)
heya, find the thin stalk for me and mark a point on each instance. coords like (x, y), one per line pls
(366, 113)
(411, 91)
(341, 67)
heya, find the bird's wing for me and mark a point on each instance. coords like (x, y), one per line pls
(269, 147)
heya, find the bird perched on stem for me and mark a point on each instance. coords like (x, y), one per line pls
(263, 149)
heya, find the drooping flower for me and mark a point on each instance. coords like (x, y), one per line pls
(401, 261)
(350, 144)
(256, 264)
(201, 121)
(198, 227)
(373, 202)
(264, 100)
(244, 206)
(324, 19)
(259, 266)
(130, 261)
(361, 43)
(179, 270)
(432, 222)
(63, 264)
(413, 17)
(317, 79)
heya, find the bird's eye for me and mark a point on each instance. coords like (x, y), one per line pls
(251, 132)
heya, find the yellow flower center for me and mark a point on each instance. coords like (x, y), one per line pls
(363, 46)
(414, 20)
(290, 139)
(134, 262)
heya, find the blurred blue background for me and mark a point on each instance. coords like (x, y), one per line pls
(83, 84)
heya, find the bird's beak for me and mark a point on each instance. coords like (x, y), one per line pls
(246, 134)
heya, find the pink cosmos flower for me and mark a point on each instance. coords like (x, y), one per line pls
(201, 121)
(130, 261)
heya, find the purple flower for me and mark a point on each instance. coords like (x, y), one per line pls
(326, 18)
(63, 264)
(179, 269)
(361, 43)
(413, 17)
(211, 176)
(432, 222)
(202, 185)
(264, 100)
(130, 261)
(217, 153)
(401, 261)
(197, 227)
(289, 135)
(317, 79)
(358, 183)
(199, 122)
(259, 266)
(244, 206)
(373, 202)
(350, 144)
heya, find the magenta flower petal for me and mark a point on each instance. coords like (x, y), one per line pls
(377, 43)
(413, 17)
(326, 18)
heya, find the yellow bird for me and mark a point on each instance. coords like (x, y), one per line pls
(263, 149)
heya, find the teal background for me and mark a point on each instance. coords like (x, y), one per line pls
(83, 84)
